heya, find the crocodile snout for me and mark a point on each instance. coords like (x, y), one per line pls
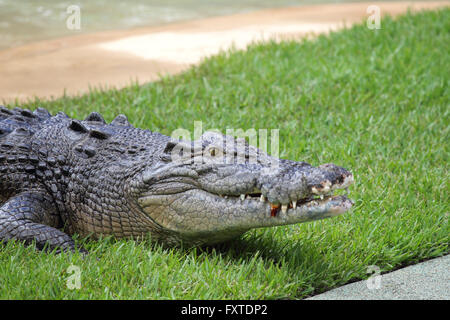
(330, 177)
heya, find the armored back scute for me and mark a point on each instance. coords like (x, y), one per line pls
(21, 121)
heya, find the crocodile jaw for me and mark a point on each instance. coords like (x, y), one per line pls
(217, 219)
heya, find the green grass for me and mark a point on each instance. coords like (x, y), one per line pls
(374, 101)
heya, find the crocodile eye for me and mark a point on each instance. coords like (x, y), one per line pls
(213, 152)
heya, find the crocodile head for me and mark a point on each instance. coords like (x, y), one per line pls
(218, 187)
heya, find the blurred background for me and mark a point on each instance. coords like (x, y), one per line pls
(45, 54)
(30, 20)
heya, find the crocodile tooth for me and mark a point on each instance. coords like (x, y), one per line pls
(262, 199)
(294, 204)
(284, 208)
(242, 197)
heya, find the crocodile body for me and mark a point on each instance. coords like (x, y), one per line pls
(61, 176)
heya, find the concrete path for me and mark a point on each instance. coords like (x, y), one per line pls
(428, 280)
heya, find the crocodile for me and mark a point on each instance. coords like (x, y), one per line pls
(61, 176)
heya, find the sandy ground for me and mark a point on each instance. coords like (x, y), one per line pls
(72, 65)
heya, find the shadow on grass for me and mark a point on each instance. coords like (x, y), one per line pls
(287, 254)
(240, 250)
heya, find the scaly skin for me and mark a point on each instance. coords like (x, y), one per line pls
(61, 176)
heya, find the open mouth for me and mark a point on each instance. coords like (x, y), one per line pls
(326, 196)
(329, 200)
(324, 200)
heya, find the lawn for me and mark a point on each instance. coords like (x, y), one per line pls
(373, 101)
